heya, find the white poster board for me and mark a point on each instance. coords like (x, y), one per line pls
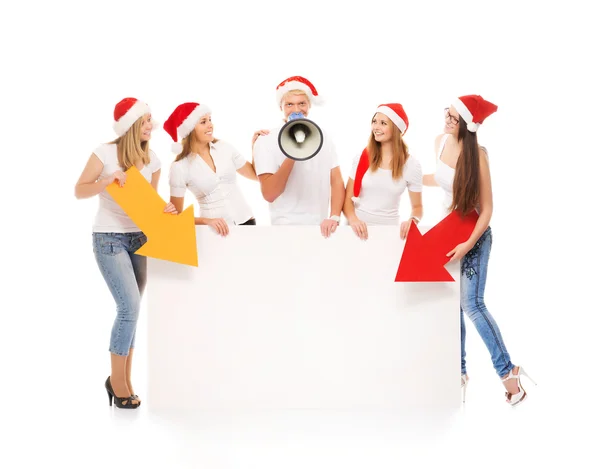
(277, 317)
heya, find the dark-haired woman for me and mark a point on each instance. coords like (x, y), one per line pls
(462, 171)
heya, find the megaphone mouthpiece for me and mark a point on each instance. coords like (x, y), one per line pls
(299, 135)
(300, 139)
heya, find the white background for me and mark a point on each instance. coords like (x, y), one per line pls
(66, 64)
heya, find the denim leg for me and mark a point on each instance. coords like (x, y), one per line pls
(473, 270)
(112, 252)
(463, 335)
(139, 268)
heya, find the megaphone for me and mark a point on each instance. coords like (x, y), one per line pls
(300, 138)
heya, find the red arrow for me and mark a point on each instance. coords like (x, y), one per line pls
(424, 256)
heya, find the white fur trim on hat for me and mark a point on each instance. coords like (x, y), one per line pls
(190, 121)
(465, 114)
(395, 118)
(297, 85)
(136, 111)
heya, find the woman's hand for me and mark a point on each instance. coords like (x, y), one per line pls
(219, 225)
(360, 228)
(257, 134)
(118, 176)
(459, 251)
(404, 227)
(170, 208)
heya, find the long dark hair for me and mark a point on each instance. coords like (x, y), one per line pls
(465, 188)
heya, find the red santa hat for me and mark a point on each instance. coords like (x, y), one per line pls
(298, 83)
(398, 116)
(474, 109)
(182, 121)
(127, 111)
(396, 113)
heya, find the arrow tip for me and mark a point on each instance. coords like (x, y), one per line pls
(418, 262)
(174, 239)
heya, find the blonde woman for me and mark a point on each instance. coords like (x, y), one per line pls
(116, 238)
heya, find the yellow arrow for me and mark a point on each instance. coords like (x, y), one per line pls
(170, 237)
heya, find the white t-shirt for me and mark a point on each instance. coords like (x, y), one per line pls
(305, 199)
(218, 194)
(379, 197)
(110, 217)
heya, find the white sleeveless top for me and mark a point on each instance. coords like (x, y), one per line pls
(444, 175)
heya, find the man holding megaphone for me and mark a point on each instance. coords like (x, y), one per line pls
(297, 163)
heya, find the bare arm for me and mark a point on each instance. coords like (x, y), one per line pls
(248, 171)
(88, 184)
(428, 179)
(338, 192)
(155, 179)
(178, 202)
(349, 212)
(273, 185)
(416, 211)
(485, 199)
(416, 203)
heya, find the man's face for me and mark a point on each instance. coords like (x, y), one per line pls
(295, 103)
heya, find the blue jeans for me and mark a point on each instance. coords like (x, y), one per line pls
(473, 274)
(125, 275)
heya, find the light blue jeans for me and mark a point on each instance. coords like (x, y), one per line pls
(125, 275)
(473, 274)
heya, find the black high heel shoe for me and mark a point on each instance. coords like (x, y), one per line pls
(121, 402)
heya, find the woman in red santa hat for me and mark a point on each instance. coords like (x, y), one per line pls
(116, 238)
(207, 167)
(462, 171)
(380, 175)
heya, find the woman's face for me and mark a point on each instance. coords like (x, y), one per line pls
(451, 119)
(204, 129)
(381, 127)
(146, 128)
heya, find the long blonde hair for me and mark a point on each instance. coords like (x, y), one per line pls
(130, 149)
(399, 153)
(188, 143)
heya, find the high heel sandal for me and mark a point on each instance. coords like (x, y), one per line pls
(516, 399)
(121, 402)
(464, 380)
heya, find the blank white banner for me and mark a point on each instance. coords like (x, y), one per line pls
(277, 317)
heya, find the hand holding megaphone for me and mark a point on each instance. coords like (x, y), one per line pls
(300, 138)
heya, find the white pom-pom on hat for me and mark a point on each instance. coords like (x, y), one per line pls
(176, 148)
